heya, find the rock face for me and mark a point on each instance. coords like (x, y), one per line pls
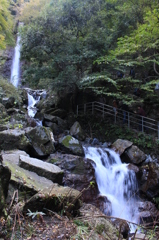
(44, 169)
(71, 145)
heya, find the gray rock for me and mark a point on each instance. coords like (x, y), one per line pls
(55, 198)
(135, 155)
(26, 179)
(14, 139)
(44, 169)
(121, 145)
(71, 145)
(41, 140)
(77, 131)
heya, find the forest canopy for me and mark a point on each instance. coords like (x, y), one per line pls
(87, 42)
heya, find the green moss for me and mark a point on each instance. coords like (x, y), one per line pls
(100, 228)
(66, 141)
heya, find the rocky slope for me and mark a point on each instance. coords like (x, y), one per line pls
(45, 166)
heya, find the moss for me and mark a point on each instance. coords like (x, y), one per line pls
(66, 141)
(100, 228)
(53, 160)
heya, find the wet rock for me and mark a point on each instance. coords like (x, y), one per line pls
(77, 131)
(71, 145)
(95, 141)
(151, 185)
(121, 145)
(148, 213)
(44, 169)
(41, 141)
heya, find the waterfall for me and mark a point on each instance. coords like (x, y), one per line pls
(31, 105)
(115, 181)
(15, 69)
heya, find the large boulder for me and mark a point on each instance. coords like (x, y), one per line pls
(121, 145)
(135, 155)
(56, 124)
(71, 145)
(147, 213)
(27, 180)
(56, 198)
(150, 186)
(14, 139)
(5, 175)
(8, 102)
(41, 139)
(44, 169)
(77, 132)
(79, 174)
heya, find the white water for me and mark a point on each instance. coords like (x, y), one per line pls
(115, 181)
(31, 105)
(15, 69)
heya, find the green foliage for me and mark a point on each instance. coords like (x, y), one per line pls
(7, 89)
(5, 24)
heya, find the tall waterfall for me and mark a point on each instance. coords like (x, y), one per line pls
(115, 181)
(15, 69)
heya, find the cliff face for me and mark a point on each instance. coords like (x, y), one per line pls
(6, 62)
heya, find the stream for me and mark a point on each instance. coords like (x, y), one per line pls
(115, 181)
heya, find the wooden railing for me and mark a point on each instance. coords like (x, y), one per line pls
(129, 119)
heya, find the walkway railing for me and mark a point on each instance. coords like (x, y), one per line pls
(131, 120)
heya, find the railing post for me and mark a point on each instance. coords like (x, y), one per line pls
(158, 130)
(77, 110)
(92, 108)
(84, 108)
(142, 124)
(128, 120)
(103, 110)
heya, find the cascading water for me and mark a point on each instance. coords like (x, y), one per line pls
(115, 181)
(15, 69)
(31, 105)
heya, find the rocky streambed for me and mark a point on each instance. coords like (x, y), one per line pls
(46, 168)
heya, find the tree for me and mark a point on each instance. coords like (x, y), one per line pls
(5, 24)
